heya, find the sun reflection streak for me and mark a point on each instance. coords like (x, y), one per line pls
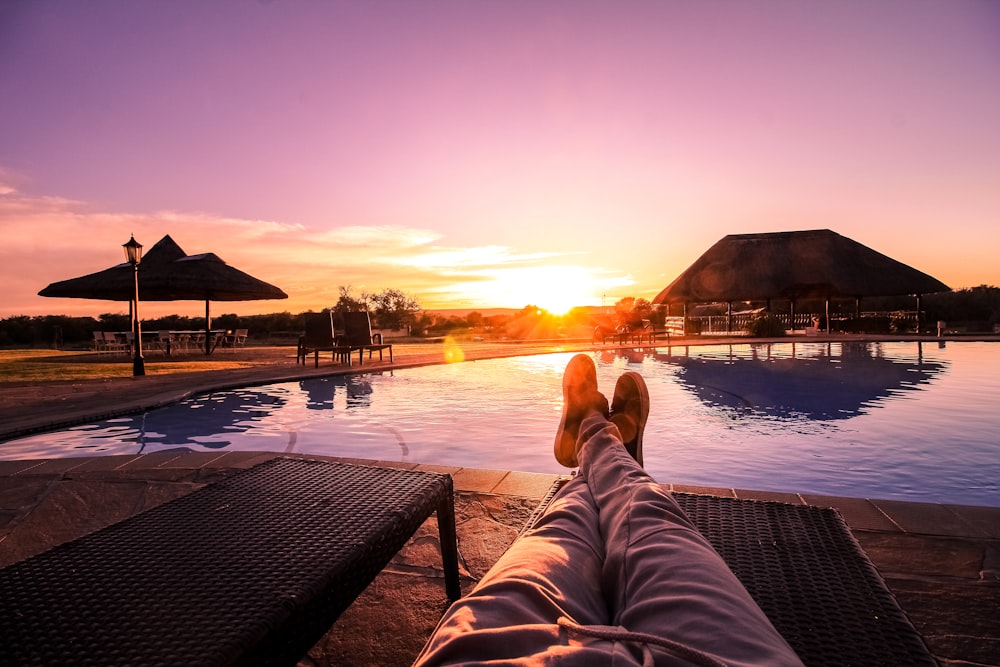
(453, 352)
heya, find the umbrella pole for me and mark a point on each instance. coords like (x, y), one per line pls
(208, 330)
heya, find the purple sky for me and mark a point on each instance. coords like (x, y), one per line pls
(490, 153)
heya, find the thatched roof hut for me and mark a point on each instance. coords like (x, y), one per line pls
(794, 265)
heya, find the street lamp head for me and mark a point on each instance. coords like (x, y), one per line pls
(133, 251)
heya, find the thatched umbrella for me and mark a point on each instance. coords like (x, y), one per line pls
(167, 274)
(793, 265)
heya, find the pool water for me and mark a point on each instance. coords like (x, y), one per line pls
(910, 421)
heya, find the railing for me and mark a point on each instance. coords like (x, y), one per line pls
(897, 321)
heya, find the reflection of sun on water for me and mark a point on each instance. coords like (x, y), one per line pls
(453, 352)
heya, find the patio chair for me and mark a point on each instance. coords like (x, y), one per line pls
(113, 344)
(240, 337)
(319, 337)
(163, 341)
(182, 341)
(358, 336)
(99, 344)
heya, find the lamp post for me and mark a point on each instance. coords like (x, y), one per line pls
(133, 255)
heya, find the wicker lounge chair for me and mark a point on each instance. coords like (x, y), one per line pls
(253, 569)
(805, 570)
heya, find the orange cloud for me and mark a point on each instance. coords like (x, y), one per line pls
(49, 239)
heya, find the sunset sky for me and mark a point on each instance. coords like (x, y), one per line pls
(489, 153)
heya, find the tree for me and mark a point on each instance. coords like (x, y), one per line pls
(393, 309)
(631, 311)
(347, 303)
(474, 319)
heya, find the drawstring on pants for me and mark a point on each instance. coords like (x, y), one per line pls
(616, 634)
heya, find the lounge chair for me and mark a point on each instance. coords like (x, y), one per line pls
(252, 570)
(807, 572)
(320, 337)
(358, 336)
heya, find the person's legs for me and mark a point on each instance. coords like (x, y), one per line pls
(661, 577)
(613, 573)
(551, 572)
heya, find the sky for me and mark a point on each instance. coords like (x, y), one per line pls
(481, 154)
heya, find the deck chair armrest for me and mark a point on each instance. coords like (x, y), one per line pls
(377, 336)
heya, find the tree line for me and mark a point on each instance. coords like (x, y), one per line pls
(973, 309)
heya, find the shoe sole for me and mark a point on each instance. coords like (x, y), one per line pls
(641, 392)
(569, 425)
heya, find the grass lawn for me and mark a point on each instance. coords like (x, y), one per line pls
(31, 366)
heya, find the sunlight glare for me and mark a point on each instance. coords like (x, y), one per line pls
(557, 289)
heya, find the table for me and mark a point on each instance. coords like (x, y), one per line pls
(253, 569)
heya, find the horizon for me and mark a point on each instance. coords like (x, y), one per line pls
(489, 155)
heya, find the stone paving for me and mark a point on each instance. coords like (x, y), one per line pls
(941, 561)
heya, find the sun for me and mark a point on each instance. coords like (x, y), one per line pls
(557, 289)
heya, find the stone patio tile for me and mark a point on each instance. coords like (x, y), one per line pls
(178, 475)
(431, 467)
(984, 519)
(16, 467)
(477, 479)
(957, 619)
(358, 462)
(859, 513)
(151, 460)
(21, 493)
(69, 510)
(6, 518)
(922, 555)
(53, 467)
(240, 460)
(702, 490)
(775, 496)
(526, 484)
(928, 519)
(192, 460)
(97, 466)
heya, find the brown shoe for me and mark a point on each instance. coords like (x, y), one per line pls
(580, 398)
(629, 411)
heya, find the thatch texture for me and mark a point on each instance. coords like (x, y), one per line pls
(167, 274)
(794, 265)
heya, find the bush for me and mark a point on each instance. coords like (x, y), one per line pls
(766, 325)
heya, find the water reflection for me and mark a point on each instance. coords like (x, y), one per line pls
(811, 383)
(207, 419)
(321, 392)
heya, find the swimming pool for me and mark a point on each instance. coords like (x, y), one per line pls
(911, 421)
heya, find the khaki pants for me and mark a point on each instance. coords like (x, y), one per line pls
(613, 573)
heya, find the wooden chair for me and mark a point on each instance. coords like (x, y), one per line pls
(319, 337)
(358, 336)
